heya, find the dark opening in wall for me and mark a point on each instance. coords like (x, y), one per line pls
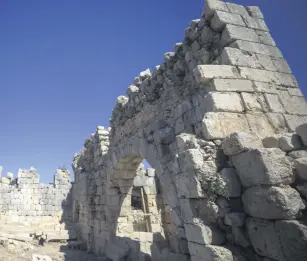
(136, 199)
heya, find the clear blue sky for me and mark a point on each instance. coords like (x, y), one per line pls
(64, 62)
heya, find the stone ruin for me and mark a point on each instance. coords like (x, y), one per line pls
(223, 124)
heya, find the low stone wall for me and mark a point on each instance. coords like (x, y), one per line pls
(39, 207)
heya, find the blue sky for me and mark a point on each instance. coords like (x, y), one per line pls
(63, 64)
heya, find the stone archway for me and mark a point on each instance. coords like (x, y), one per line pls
(142, 227)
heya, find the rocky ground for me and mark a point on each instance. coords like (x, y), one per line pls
(48, 252)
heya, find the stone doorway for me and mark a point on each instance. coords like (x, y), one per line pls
(141, 209)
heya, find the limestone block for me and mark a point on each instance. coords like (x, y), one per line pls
(293, 104)
(203, 234)
(298, 154)
(205, 73)
(228, 102)
(230, 85)
(271, 142)
(253, 101)
(219, 125)
(259, 48)
(259, 123)
(234, 56)
(293, 121)
(267, 76)
(281, 65)
(264, 238)
(234, 219)
(266, 38)
(238, 142)
(274, 103)
(220, 19)
(295, 92)
(272, 202)
(209, 253)
(265, 62)
(289, 142)
(189, 186)
(233, 184)
(263, 166)
(198, 233)
(255, 23)
(301, 168)
(212, 5)
(264, 87)
(237, 9)
(302, 131)
(293, 237)
(232, 33)
(255, 11)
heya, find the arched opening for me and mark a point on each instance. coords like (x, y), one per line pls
(140, 211)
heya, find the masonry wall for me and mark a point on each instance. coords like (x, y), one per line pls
(226, 76)
(45, 207)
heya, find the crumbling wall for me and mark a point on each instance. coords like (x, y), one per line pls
(44, 207)
(226, 76)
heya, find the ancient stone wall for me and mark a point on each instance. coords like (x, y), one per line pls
(226, 76)
(40, 207)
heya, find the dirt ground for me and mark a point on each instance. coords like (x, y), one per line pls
(57, 251)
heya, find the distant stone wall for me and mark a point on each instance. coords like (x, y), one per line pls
(24, 200)
(226, 76)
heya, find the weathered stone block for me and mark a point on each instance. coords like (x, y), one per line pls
(302, 131)
(230, 85)
(255, 11)
(289, 142)
(255, 23)
(238, 142)
(234, 56)
(232, 33)
(257, 48)
(233, 184)
(293, 121)
(228, 102)
(198, 233)
(219, 125)
(272, 202)
(264, 238)
(266, 38)
(212, 5)
(205, 73)
(293, 104)
(209, 253)
(293, 237)
(268, 76)
(220, 19)
(253, 101)
(189, 186)
(263, 166)
(265, 87)
(281, 65)
(301, 168)
(260, 124)
(237, 9)
(274, 103)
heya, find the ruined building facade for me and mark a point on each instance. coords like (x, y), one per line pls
(223, 124)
